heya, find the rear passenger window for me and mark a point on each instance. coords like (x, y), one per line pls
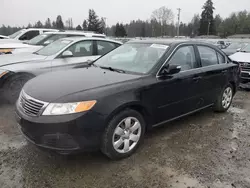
(29, 35)
(184, 57)
(208, 56)
(104, 47)
(221, 58)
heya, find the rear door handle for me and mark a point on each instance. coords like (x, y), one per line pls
(224, 71)
(197, 78)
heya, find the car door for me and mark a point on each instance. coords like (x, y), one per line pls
(83, 53)
(179, 94)
(215, 71)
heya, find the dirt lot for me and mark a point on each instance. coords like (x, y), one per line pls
(202, 150)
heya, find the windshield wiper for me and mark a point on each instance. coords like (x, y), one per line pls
(112, 69)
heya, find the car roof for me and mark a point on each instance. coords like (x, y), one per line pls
(87, 34)
(170, 42)
(42, 29)
(75, 39)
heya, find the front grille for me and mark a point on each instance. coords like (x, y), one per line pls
(245, 66)
(29, 105)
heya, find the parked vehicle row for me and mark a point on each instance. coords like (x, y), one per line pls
(63, 54)
(42, 40)
(109, 104)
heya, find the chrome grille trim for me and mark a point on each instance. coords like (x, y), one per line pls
(31, 106)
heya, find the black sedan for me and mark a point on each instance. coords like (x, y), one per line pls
(110, 105)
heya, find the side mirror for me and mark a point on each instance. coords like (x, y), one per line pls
(47, 42)
(67, 54)
(170, 69)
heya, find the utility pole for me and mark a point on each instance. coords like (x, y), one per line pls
(208, 28)
(178, 24)
(105, 29)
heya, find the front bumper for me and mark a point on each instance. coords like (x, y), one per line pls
(245, 79)
(67, 133)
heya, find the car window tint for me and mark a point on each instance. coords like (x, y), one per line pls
(104, 47)
(29, 35)
(185, 57)
(208, 56)
(81, 49)
(221, 58)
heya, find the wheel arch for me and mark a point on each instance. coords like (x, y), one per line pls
(234, 86)
(14, 74)
(137, 106)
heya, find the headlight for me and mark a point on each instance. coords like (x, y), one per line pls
(68, 108)
(6, 50)
(3, 72)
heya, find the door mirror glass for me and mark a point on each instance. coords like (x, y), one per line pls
(170, 69)
(47, 42)
(67, 54)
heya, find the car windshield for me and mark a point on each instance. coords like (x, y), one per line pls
(246, 49)
(133, 57)
(15, 34)
(54, 47)
(236, 45)
(38, 39)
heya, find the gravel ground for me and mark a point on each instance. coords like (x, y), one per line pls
(202, 150)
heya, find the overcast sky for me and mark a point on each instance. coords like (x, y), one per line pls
(22, 12)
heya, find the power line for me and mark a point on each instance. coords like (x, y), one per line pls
(178, 24)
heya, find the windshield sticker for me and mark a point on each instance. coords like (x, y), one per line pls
(161, 46)
(66, 41)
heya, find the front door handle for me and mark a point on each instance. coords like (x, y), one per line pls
(224, 71)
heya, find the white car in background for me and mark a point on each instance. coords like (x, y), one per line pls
(42, 40)
(25, 35)
(243, 58)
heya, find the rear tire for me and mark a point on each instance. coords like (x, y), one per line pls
(13, 87)
(123, 134)
(224, 99)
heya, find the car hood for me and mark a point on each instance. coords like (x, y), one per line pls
(5, 41)
(29, 49)
(14, 45)
(19, 58)
(52, 86)
(240, 57)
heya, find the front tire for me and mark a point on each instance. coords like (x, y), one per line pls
(224, 100)
(123, 134)
(13, 87)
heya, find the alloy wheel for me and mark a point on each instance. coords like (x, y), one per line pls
(126, 135)
(227, 97)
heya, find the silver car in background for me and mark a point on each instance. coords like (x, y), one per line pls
(63, 54)
(42, 40)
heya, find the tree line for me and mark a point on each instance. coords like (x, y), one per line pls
(160, 24)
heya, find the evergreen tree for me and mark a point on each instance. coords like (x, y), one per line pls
(54, 24)
(59, 22)
(85, 25)
(120, 30)
(78, 28)
(47, 23)
(94, 24)
(38, 24)
(207, 25)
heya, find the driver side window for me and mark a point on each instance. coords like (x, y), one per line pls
(185, 57)
(81, 49)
